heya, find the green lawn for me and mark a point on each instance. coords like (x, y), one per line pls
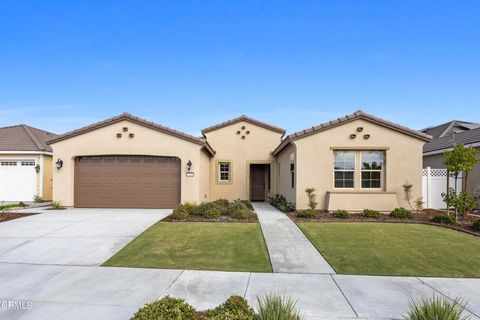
(197, 245)
(396, 249)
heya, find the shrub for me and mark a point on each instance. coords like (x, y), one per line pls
(203, 207)
(235, 308)
(213, 212)
(436, 308)
(277, 200)
(236, 206)
(371, 213)
(222, 202)
(401, 213)
(476, 225)
(165, 309)
(342, 214)
(287, 207)
(443, 218)
(37, 199)
(309, 213)
(278, 308)
(22, 204)
(56, 205)
(312, 203)
(188, 207)
(280, 202)
(179, 214)
(243, 214)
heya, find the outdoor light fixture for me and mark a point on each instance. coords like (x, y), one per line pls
(59, 164)
(189, 165)
(37, 168)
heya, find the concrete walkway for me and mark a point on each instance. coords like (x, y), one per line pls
(72, 292)
(289, 249)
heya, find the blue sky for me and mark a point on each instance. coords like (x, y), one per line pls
(191, 64)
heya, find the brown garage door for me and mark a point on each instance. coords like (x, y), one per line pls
(127, 182)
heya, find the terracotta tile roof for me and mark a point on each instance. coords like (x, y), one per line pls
(128, 116)
(24, 138)
(467, 138)
(246, 119)
(348, 118)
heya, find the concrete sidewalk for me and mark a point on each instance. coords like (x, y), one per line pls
(289, 249)
(71, 292)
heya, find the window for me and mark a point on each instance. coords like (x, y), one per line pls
(372, 169)
(224, 171)
(28, 163)
(8, 163)
(292, 175)
(344, 169)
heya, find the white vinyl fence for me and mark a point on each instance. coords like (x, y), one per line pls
(434, 183)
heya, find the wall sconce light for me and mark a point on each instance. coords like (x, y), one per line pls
(59, 164)
(37, 168)
(189, 165)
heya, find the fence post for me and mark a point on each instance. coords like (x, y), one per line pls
(428, 187)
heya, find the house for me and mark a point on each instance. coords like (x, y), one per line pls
(444, 138)
(355, 162)
(25, 163)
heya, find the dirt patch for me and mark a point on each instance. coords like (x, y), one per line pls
(422, 217)
(7, 216)
(194, 218)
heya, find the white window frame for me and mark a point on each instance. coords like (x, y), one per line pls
(382, 171)
(343, 170)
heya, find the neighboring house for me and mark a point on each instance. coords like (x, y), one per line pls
(444, 137)
(25, 163)
(126, 161)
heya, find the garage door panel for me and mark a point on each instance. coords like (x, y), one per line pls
(127, 181)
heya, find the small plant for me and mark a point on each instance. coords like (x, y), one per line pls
(341, 214)
(443, 218)
(56, 205)
(280, 202)
(165, 309)
(235, 308)
(222, 202)
(476, 225)
(419, 204)
(213, 212)
(308, 213)
(179, 214)
(401, 213)
(275, 307)
(436, 308)
(243, 214)
(236, 206)
(22, 204)
(371, 213)
(463, 203)
(407, 190)
(37, 199)
(312, 203)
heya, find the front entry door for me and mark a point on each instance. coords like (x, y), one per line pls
(258, 182)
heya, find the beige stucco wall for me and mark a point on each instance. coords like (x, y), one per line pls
(283, 161)
(255, 148)
(314, 156)
(47, 177)
(204, 175)
(103, 141)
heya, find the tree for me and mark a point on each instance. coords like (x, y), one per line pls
(460, 159)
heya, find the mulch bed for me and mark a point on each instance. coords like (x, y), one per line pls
(6, 216)
(423, 217)
(192, 218)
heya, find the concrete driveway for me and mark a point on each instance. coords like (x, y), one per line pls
(74, 237)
